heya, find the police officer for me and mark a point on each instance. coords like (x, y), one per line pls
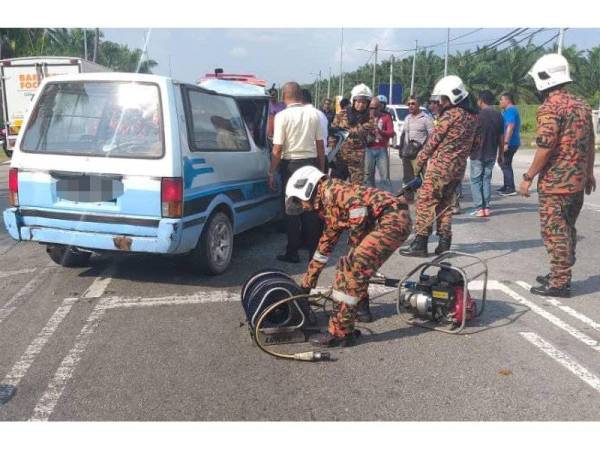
(444, 155)
(564, 164)
(377, 222)
(357, 120)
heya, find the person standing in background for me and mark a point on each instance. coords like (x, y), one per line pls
(376, 154)
(357, 120)
(512, 141)
(297, 142)
(417, 127)
(274, 108)
(328, 111)
(483, 158)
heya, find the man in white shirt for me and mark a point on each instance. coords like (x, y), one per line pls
(297, 142)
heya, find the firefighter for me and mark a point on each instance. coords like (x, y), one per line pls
(444, 155)
(377, 222)
(564, 164)
(358, 121)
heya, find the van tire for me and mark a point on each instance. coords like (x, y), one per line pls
(67, 256)
(212, 254)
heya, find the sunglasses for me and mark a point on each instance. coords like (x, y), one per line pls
(411, 103)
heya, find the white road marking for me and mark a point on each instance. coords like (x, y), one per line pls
(554, 302)
(582, 337)
(578, 370)
(45, 406)
(11, 273)
(18, 371)
(25, 291)
(99, 285)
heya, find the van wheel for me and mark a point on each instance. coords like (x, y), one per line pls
(67, 256)
(212, 254)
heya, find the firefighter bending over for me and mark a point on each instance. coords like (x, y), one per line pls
(377, 222)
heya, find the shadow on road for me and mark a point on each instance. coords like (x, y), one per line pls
(497, 314)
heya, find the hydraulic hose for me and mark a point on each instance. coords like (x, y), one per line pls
(302, 356)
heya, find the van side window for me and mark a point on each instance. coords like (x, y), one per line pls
(215, 124)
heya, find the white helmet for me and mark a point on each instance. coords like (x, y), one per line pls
(301, 186)
(360, 90)
(452, 87)
(549, 71)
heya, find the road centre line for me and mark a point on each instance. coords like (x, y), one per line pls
(582, 337)
(578, 370)
(10, 382)
(11, 273)
(26, 290)
(554, 302)
(45, 406)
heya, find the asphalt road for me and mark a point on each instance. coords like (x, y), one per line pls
(139, 338)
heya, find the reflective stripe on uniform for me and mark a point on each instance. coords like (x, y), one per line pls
(319, 257)
(358, 212)
(342, 297)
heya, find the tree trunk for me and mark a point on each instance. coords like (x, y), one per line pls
(96, 42)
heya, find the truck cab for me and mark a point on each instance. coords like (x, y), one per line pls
(116, 162)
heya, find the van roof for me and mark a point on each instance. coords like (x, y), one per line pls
(234, 88)
(110, 76)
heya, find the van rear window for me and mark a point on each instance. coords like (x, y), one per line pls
(95, 118)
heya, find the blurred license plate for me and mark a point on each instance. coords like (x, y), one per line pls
(89, 188)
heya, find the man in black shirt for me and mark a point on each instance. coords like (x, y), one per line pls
(328, 111)
(483, 158)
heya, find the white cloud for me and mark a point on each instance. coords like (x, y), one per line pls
(238, 52)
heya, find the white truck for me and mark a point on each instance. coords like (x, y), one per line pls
(19, 79)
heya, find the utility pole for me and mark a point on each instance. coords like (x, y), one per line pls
(84, 44)
(318, 89)
(341, 64)
(447, 52)
(329, 85)
(391, 79)
(375, 70)
(412, 77)
(561, 38)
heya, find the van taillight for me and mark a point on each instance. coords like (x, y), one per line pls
(13, 187)
(171, 197)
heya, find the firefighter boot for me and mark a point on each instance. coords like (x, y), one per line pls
(329, 340)
(363, 312)
(418, 247)
(443, 245)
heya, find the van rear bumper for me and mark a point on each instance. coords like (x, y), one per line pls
(166, 239)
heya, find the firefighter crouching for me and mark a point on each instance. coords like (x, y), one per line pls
(564, 163)
(357, 120)
(444, 156)
(377, 222)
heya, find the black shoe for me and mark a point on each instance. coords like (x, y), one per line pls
(547, 291)
(508, 193)
(329, 340)
(544, 280)
(289, 258)
(502, 190)
(443, 245)
(418, 247)
(363, 312)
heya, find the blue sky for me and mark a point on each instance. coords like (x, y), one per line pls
(280, 55)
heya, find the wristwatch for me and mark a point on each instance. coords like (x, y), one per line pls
(527, 178)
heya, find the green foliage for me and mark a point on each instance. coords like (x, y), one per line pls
(19, 42)
(496, 70)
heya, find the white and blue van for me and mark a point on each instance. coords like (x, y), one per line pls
(120, 162)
